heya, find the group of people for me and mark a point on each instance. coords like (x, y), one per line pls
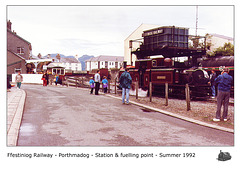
(95, 84)
(224, 83)
(45, 79)
(125, 81)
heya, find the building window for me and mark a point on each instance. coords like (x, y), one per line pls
(20, 50)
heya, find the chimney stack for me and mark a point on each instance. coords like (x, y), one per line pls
(9, 25)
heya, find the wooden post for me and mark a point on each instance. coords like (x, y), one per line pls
(67, 82)
(115, 85)
(150, 91)
(109, 86)
(82, 82)
(166, 94)
(136, 86)
(187, 93)
(76, 82)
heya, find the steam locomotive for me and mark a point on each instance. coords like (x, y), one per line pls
(169, 55)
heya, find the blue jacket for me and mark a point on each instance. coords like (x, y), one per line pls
(105, 83)
(125, 80)
(91, 82)
(224, 82)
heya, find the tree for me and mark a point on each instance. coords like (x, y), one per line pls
(226, 50)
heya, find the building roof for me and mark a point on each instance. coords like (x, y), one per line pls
(14, 33)
(16, 55)
(54, 65)
(69, 60)
(106, 58)
(38, 60)
(222, 36)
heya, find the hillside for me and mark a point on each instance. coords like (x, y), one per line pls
(81, 59)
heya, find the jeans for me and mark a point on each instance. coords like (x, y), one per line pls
(213, 90)
(19, 84)
(222, 99)
(125, 90)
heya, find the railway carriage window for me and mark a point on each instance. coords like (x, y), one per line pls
(154, 63)
(62, 72)
(58, 71)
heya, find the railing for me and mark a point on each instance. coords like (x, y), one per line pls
(84, 82)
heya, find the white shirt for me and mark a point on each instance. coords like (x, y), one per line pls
(97, 77)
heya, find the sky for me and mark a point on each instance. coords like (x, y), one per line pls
(101, 30)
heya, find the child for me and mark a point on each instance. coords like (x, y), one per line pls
(105, 84)
(91, 82)
(56, 79)
(19, 79)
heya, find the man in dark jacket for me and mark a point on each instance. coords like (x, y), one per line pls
(224, 82)
(125, 82)
(212, 82)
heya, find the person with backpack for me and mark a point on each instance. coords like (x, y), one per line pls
(125, 83)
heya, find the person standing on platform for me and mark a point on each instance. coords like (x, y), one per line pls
(105, 84)
(212, 82)
(125, 82)
(97, 82)
(44, 79)
(224, 82)
(19, 79)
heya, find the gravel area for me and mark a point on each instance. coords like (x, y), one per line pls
(200, 110)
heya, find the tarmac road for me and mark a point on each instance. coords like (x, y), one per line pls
(61, 116)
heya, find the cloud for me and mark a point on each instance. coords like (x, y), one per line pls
(102, 29)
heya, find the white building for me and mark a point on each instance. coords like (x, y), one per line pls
(133, 41)
(103, 61)
(70, 64)
(216, 41)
